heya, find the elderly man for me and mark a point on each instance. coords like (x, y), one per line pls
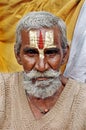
(37, 98)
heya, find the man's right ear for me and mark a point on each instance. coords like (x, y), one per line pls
(18, 58)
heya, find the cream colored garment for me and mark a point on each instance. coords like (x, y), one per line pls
(69, 113)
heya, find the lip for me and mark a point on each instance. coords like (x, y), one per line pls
(41, 78)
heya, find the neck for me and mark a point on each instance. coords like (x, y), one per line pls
(42, 106)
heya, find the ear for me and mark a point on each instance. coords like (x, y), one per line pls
(63, 79)
(65, 55)
(18, 58)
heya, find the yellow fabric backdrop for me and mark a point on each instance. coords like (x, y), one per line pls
(12, 10)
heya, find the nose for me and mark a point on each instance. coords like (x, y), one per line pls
(41, 65)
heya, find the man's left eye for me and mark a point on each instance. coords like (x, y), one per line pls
(51, 55)
(52, 51)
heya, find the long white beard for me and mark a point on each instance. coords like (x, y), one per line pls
(42, 89)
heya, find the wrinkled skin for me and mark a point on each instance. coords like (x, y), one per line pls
(30, 59)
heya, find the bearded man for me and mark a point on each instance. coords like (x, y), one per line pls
(38, 98)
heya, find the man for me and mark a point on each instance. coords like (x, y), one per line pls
(37, 98)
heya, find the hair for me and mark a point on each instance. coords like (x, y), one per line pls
(40, 19)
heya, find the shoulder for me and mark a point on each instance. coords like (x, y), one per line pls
(80, 87)
(78, 84)
(5, 78)
(79, 94)
(7, 84)
(78, 90)
(79, 98)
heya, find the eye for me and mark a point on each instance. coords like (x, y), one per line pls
(51, 52)
(30, 51)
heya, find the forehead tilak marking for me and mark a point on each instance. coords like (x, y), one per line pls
(41, 40)
(33, 39)
(36, 39)
(49, 39)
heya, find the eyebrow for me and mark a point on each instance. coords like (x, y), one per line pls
(30, 50)
(52, 50)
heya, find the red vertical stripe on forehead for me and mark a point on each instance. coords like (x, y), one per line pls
(40, 42)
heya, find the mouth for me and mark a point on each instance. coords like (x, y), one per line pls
(41, 78)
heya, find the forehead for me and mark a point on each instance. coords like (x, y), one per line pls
(40, 38)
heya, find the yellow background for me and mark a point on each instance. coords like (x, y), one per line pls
(12, 10)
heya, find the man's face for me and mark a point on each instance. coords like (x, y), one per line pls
(41, 56)
(41, 49)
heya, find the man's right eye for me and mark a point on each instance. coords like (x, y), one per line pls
(30, 51)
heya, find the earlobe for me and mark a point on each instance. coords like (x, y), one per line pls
(18, 58)
(65, 55)
(17, 55)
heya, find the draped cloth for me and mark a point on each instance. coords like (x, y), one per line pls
(76, 67)
(11, 11)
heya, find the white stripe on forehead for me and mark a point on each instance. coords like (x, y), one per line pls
(49, 38)
(41, 39)
(33, 39)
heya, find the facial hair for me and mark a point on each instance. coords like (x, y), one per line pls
(41, 89)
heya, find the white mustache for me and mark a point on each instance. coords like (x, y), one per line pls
(36, 74)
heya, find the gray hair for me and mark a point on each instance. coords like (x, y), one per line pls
(40, 19)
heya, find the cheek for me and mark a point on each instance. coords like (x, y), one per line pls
(28, 63)
(55, 62)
